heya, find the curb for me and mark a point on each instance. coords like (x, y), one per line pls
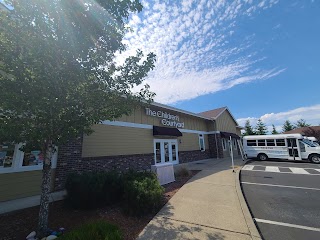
(254, 233)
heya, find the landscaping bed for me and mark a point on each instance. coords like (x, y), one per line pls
(18, 224)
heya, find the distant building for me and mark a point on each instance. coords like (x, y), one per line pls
(312, 131)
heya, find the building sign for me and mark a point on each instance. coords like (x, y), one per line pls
(168, 119)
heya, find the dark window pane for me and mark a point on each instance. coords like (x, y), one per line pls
(270, 142)
(280, 142)
(261, 142)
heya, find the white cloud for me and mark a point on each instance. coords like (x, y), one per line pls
(192, 43)
(311, 114)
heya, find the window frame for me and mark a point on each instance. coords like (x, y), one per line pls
(17, 162)
(201, 138)
(224, 144)
(251, 141)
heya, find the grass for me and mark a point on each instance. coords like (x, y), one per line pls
(97, 230)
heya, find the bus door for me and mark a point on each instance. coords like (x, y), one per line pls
(293, 149)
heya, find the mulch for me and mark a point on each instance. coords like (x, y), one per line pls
(18, 224)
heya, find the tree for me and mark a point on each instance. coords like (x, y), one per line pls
(261, 128)
(274, 130)
(287, 126)
(248, 129)
(59, 75)
(301, 123)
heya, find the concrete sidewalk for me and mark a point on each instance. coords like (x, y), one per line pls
(209, 206)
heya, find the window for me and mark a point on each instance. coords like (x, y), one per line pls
(280, 142)
(261, 142)
(6, 155)
(302, 146)
(270, 142)
(251, 143)
(224, 144)
(12, 159)
(235, 144)
(201, 143)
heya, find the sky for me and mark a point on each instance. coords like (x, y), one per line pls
(260, 58)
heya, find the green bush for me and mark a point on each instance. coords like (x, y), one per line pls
(142, 193)
(98, 230)
(139, 192)
(91, 190)
(113, 188)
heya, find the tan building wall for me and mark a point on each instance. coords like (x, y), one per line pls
(22, 184)
(225, 123)
(139, 116)
(110, 140)
(19, 185)
(115, 140)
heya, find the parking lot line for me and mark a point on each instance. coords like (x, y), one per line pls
(248, 167)
(282, 172)
(298, 170)
(284, 186)
(272, 169)
(287, 224)
(317, 169)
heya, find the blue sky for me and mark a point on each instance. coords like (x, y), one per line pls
(261, 58)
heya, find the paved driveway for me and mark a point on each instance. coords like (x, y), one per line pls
(284, 198)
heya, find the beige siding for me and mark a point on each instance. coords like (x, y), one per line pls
(19, 185)
(225, 123)
(139, 116)
(22, 184)
(189, 142)
(114, 140)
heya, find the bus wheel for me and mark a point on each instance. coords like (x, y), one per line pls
(262, 157)
(315, 158)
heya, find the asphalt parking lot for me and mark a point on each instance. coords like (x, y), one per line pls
(284, 198)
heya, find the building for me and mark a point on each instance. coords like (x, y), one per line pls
(312, 131)
(151, 135)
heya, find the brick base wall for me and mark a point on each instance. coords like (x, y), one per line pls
(70, 160)
(215, 145)
(191, 156)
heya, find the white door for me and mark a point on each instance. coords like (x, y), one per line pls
(293, 149)
(166, 151)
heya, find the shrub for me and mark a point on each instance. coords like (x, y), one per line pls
(98, 230)
(91, 190)
(142, 193)
(182, 172)
(113, 188)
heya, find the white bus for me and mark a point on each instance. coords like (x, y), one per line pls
(313, 140)
(281, 146)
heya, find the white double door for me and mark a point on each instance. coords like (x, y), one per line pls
(166, 151)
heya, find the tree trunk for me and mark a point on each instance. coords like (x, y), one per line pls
(45, 191)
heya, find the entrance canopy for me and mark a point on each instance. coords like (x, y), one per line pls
(165, 131)
(227, 135)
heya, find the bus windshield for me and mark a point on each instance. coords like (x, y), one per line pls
(308, 142)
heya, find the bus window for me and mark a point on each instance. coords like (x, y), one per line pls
(280, 142)
(302, 146)
(261, 142)
(270, 142)
(251, 143)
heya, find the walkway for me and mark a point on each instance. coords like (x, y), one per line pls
(207, 207)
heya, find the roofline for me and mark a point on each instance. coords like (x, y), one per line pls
(226, 108)
(274, 136)
(180, 110)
